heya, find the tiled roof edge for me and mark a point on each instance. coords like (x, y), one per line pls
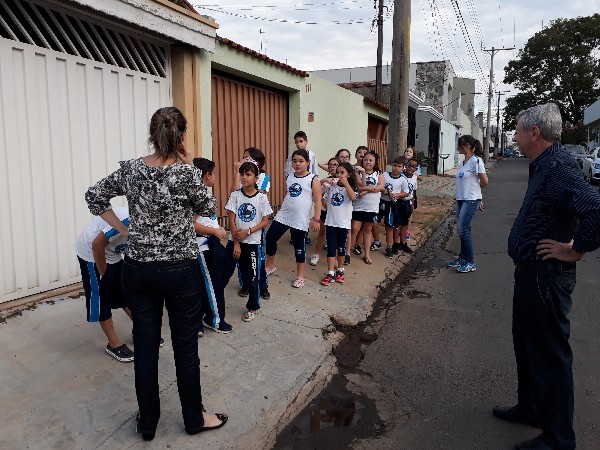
(258, 55)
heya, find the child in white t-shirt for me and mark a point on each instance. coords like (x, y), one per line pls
(340, 194)
(212, 258)
(332, 167)
(394, 208)
(248, 212)
(303, 190)
(263, 184)
(366, 206)
(99, 250)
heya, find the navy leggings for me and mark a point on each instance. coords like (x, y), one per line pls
(336, 241)
(276, 230)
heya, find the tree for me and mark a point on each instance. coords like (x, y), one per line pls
(559, 64)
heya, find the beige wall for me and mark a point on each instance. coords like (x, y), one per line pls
(340, 118)
(185, 62)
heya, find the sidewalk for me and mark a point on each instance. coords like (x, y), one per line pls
(59, 389)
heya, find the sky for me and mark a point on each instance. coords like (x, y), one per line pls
(330, 34)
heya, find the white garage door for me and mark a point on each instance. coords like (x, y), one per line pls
(65, 122)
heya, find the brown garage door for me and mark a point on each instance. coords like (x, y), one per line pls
(245, 115)
(377, 139)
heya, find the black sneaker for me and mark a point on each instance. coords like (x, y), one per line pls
(389, 253)
(405, 248)
(243, 292)
(264, 293)
(122, 353)
(396, 248)
(308, 241)
(347, 260)
(223, 327)
(376, 245)
(357, 250)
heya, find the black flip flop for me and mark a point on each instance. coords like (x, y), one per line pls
(222, 417)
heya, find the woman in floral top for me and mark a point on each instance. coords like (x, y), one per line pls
(161, 266)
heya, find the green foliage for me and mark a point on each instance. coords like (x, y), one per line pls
(559, 64)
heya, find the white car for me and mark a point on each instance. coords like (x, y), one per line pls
(595, 158)
(585, 163)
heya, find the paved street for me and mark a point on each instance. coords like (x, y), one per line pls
(441, 353)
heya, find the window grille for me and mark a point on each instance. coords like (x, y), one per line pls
(64, 32)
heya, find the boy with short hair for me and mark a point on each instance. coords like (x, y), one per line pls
(99, 250)
(301, 141)
(393, 208)
(212, 259)
(410, 169)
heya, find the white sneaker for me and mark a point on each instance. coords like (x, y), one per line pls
(314, 260)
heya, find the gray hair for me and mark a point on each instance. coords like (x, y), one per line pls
(546, 117)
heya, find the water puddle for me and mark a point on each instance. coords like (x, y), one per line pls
(337, 417)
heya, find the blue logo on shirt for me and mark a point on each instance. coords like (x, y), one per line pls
(371, 181)
(247, 212)
(337, 199)
(295, 190)
(213, 217)
(461, 174)
(389, 187)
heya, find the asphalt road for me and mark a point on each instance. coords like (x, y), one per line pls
(440, 354)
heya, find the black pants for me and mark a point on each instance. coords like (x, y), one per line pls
(148, 286)
(249, 267)
(541, 330)
(212, 263)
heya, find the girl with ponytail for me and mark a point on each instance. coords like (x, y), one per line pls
(470, 178)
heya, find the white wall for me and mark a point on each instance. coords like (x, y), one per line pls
(448, 137)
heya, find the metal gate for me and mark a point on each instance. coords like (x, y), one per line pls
(243, 116)
(65, 122)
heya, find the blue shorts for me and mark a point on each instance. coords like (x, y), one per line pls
(101, 295)
(400, 213)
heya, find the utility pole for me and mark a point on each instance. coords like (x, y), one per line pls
(378, 68)
(492, 51)
(398, 128)
(499, 94)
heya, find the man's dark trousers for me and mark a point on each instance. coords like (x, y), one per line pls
(541, 329)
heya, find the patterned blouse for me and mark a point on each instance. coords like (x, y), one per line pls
(161, 201)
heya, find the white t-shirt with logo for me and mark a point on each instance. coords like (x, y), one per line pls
(467, 179)
(339, 207)
(394, 185)
(249, 212)
(412, 185)
(116, 241)
(210, 222)
(370, 201)
(296, 209)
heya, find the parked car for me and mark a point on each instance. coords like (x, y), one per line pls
(586, 165)
(595, 158)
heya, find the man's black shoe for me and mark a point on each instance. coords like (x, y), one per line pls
(512, 414)
(243, 292)
(537, 443)
(264, 293)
